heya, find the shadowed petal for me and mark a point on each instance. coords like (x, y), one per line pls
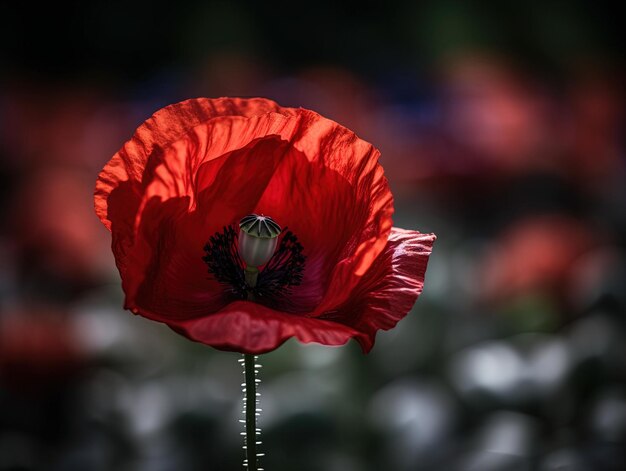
(136, 161)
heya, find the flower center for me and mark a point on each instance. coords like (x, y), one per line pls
(234, 259)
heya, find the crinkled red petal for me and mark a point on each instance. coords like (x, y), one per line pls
(389, 289)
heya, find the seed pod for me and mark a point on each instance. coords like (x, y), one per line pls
(258, 236)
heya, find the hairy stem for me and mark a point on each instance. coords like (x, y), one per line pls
(250, 396)
(250, 410)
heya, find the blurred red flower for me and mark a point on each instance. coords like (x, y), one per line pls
(38, 348)
(197, 167)
(536, 254)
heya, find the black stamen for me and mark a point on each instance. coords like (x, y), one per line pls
(284, 270)
(224, 263)
(281, 273)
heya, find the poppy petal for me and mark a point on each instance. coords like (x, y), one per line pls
(133, 175)
(388, 291)
(139, 156)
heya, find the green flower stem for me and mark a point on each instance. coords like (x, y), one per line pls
(251, 274)
(251, 436)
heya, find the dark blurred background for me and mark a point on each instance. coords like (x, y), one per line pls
(501, 129)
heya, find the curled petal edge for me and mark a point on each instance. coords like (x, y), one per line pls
(389, 289)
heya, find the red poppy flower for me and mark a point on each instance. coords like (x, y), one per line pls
(173, 193)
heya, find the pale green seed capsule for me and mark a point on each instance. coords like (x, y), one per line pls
(258, 236)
